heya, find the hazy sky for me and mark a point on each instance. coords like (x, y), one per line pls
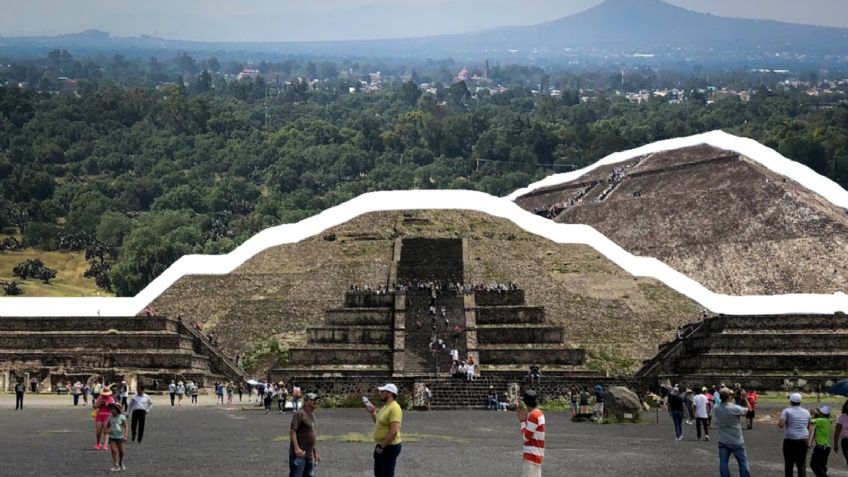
(279, 20)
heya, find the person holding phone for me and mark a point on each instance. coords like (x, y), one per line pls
(386, 430)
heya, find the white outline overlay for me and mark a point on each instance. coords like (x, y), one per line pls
(503, 208)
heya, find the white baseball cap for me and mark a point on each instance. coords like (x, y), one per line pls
(388, 387)
(795, 397)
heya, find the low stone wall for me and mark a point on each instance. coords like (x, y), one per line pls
(503, 298)
(568, 357)
(96, 360)
(358, 317)
(349, 335)
(768, 342)
(134, 323)
(520, 335)
(747, 363)
(510, 315)
(368, 300)
(781, 322)
(330, 356)
(99, 341)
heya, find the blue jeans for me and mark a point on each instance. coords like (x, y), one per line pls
(295, 403)
(384, 463)
(724, 451)
(302, 467)
(677, 418)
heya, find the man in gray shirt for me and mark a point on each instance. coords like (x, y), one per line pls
(730, 440)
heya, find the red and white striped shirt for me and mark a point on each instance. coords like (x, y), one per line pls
(533, 430)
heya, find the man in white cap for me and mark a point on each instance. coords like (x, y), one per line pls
(822, 438)
(795, 421)
(386, 431)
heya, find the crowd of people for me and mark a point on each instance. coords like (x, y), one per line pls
(436, 287)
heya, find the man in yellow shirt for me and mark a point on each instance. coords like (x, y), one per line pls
(386, 431)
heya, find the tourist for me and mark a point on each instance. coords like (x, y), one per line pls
(101, 415)
(823, 440)
(76, 392)
(469, 369)
(533, 430)
(535, 374)
(95, 390)
(180, 393)
(172, 391)
(302, 436)
(584, 400)
(230, 393)
(503, 403)
(702, 414)
(795, 421)
(240, 390)
(125, 394)
(675, 410)
(386, 431)
(33, 385)
(140, 405)
(268, 397)
(219, 394)
(690, 406)
(428, 397)
(598, 410)
(20, 389)
(193, 391)
(573, 394)
(492, 399)
(840, 434)
(751, 400)
(730, 439)
(86, 390)
(710, 405)
(296, 394)
(117, 430)
(282, 397)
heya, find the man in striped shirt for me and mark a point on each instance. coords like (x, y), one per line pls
(533, 430)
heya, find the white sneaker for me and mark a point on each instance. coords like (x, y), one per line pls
(706, 438)
(115, 469)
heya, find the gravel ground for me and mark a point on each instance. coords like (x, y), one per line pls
(51, 437)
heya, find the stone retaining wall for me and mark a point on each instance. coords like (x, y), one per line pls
(520, 335)
(358, 317)
(135, 323)
(567, 357)
(513, 315)
(349, 335)
(503, 298)
(328, 356)
(368, 300)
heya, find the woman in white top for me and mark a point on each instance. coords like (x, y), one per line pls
(795, 422)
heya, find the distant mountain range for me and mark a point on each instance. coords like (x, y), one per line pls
(615, 30)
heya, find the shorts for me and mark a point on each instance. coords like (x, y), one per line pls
(115, 439)
(530, 469)
(102, 417)
(750, 414)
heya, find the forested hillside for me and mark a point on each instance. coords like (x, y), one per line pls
(138, 170)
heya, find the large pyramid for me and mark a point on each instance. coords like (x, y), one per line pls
(715, 215)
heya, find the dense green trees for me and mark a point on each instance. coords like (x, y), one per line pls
(150, 172)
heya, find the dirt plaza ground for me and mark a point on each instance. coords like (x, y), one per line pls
(51, 437)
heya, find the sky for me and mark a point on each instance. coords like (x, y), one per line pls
(331, 20)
